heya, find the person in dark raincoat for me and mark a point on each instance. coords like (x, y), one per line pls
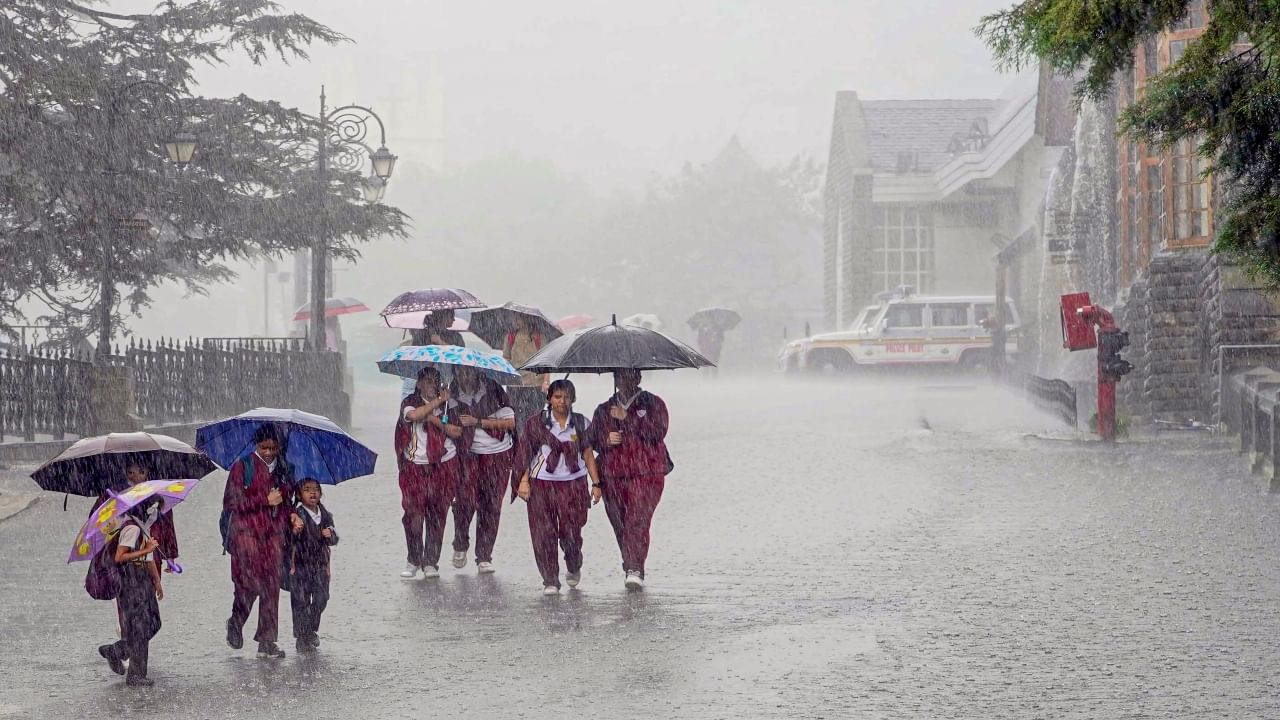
(487, 449)
(312, 534)
(164, 533)
(257, 486)
(427, 454)
(140, 590)
(554, 461)
(630, 431)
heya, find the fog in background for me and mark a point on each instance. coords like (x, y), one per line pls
(578, 156)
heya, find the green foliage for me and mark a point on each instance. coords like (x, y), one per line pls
(83, 119)
(1223, 93)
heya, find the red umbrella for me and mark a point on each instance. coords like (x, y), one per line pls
(333, 307)
(569, 323)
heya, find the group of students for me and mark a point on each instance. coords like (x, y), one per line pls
(459, 447)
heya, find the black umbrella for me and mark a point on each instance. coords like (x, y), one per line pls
(717, 317)
(614, 347)
(493, 324)
(95, 464)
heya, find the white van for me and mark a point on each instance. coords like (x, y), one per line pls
(904, 329)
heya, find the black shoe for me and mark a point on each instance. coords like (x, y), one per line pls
(235, 638)
(269, 650)
(314, 640)
(139, 681)
(113, 660)
(303, 645)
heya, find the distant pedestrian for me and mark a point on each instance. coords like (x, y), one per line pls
(256, 488)
(488, 447)
(555, 460)
(166, 537)
(427, 454)
(140, 592)
(312, 533)
(435, 331)
(523, 341)
(630, 431)
(710, 341)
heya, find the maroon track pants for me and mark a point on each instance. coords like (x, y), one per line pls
(425, 494)
(629, 503)
(482, 486)
(557, 514)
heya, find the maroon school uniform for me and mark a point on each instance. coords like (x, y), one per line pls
(634, 473)
(426, 488)
(559, 499)
(162, 531)
(486, 470)
(257, 539)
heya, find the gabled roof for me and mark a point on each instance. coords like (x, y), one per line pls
(925, 127)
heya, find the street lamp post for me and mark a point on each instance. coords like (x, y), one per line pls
(179, 146)
(345, 126)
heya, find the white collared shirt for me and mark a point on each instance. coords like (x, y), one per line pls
(563, 434)
(420, 435)
(484, 443)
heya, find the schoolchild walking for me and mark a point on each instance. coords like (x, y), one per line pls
(555, 462)
(140, 591)
(312, 534)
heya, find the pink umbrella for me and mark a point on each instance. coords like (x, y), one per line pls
(569, 323)
(103, 524)
(333, 307)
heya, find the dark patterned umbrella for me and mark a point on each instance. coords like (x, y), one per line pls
(614, 347)
(493, 324)
(412, 305)
(95, 464)
(717, 317)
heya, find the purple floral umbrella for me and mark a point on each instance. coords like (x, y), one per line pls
(105, 521)
(409, 308)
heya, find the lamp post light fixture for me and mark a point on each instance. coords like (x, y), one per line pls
(181, 148)
(345, 128)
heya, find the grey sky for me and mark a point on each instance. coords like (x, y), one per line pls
(614, 93)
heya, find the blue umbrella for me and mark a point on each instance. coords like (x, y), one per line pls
(407, 360)
(314, 447)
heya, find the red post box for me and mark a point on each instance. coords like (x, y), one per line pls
(1077, 332)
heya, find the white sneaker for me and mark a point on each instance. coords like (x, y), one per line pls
(484, 567)
(431, 571)
(572, 579)
(410, 572)
(551, 590)
(459, 559)
(633, 581)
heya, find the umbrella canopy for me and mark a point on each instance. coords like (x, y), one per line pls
(569, 323)
(648, 321)
(720, 318)
(333, 307)
(409, 308)
(493, 324)
(106, 520)
(313, 446)
(96, 464)
(407, 360)
(614, 347)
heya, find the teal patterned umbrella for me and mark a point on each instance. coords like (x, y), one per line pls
(407, 360)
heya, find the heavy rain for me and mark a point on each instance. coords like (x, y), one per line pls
(710, 360)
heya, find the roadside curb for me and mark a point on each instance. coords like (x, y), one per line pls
(13, 503)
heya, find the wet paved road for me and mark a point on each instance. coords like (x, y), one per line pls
(826, 556)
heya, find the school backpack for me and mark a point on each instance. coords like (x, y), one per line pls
(102, 581)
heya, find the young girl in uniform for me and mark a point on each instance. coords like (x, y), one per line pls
(311, 535)
(140, 590)
(488, 443)
(429, 470)
(555, 461)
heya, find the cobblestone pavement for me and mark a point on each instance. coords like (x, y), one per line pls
(820, 552)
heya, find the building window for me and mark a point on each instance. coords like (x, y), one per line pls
(902, 247)
(1154, 216)
(1190, 192)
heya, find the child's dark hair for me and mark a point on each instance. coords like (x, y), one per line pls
(303, 484)
(265, 432)
(565, 385)
(429, 371)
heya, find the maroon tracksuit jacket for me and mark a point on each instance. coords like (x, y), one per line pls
(634, 473)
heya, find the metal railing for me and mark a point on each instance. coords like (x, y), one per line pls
(174, 381)
(1056, 397)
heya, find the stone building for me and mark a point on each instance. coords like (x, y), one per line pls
(926, 192)
(1140, 223)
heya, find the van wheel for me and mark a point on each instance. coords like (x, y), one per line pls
(829, 363)
(973, 362)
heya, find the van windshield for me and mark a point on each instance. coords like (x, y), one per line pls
(860, 322)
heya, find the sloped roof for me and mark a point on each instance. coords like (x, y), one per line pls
(923, 126)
